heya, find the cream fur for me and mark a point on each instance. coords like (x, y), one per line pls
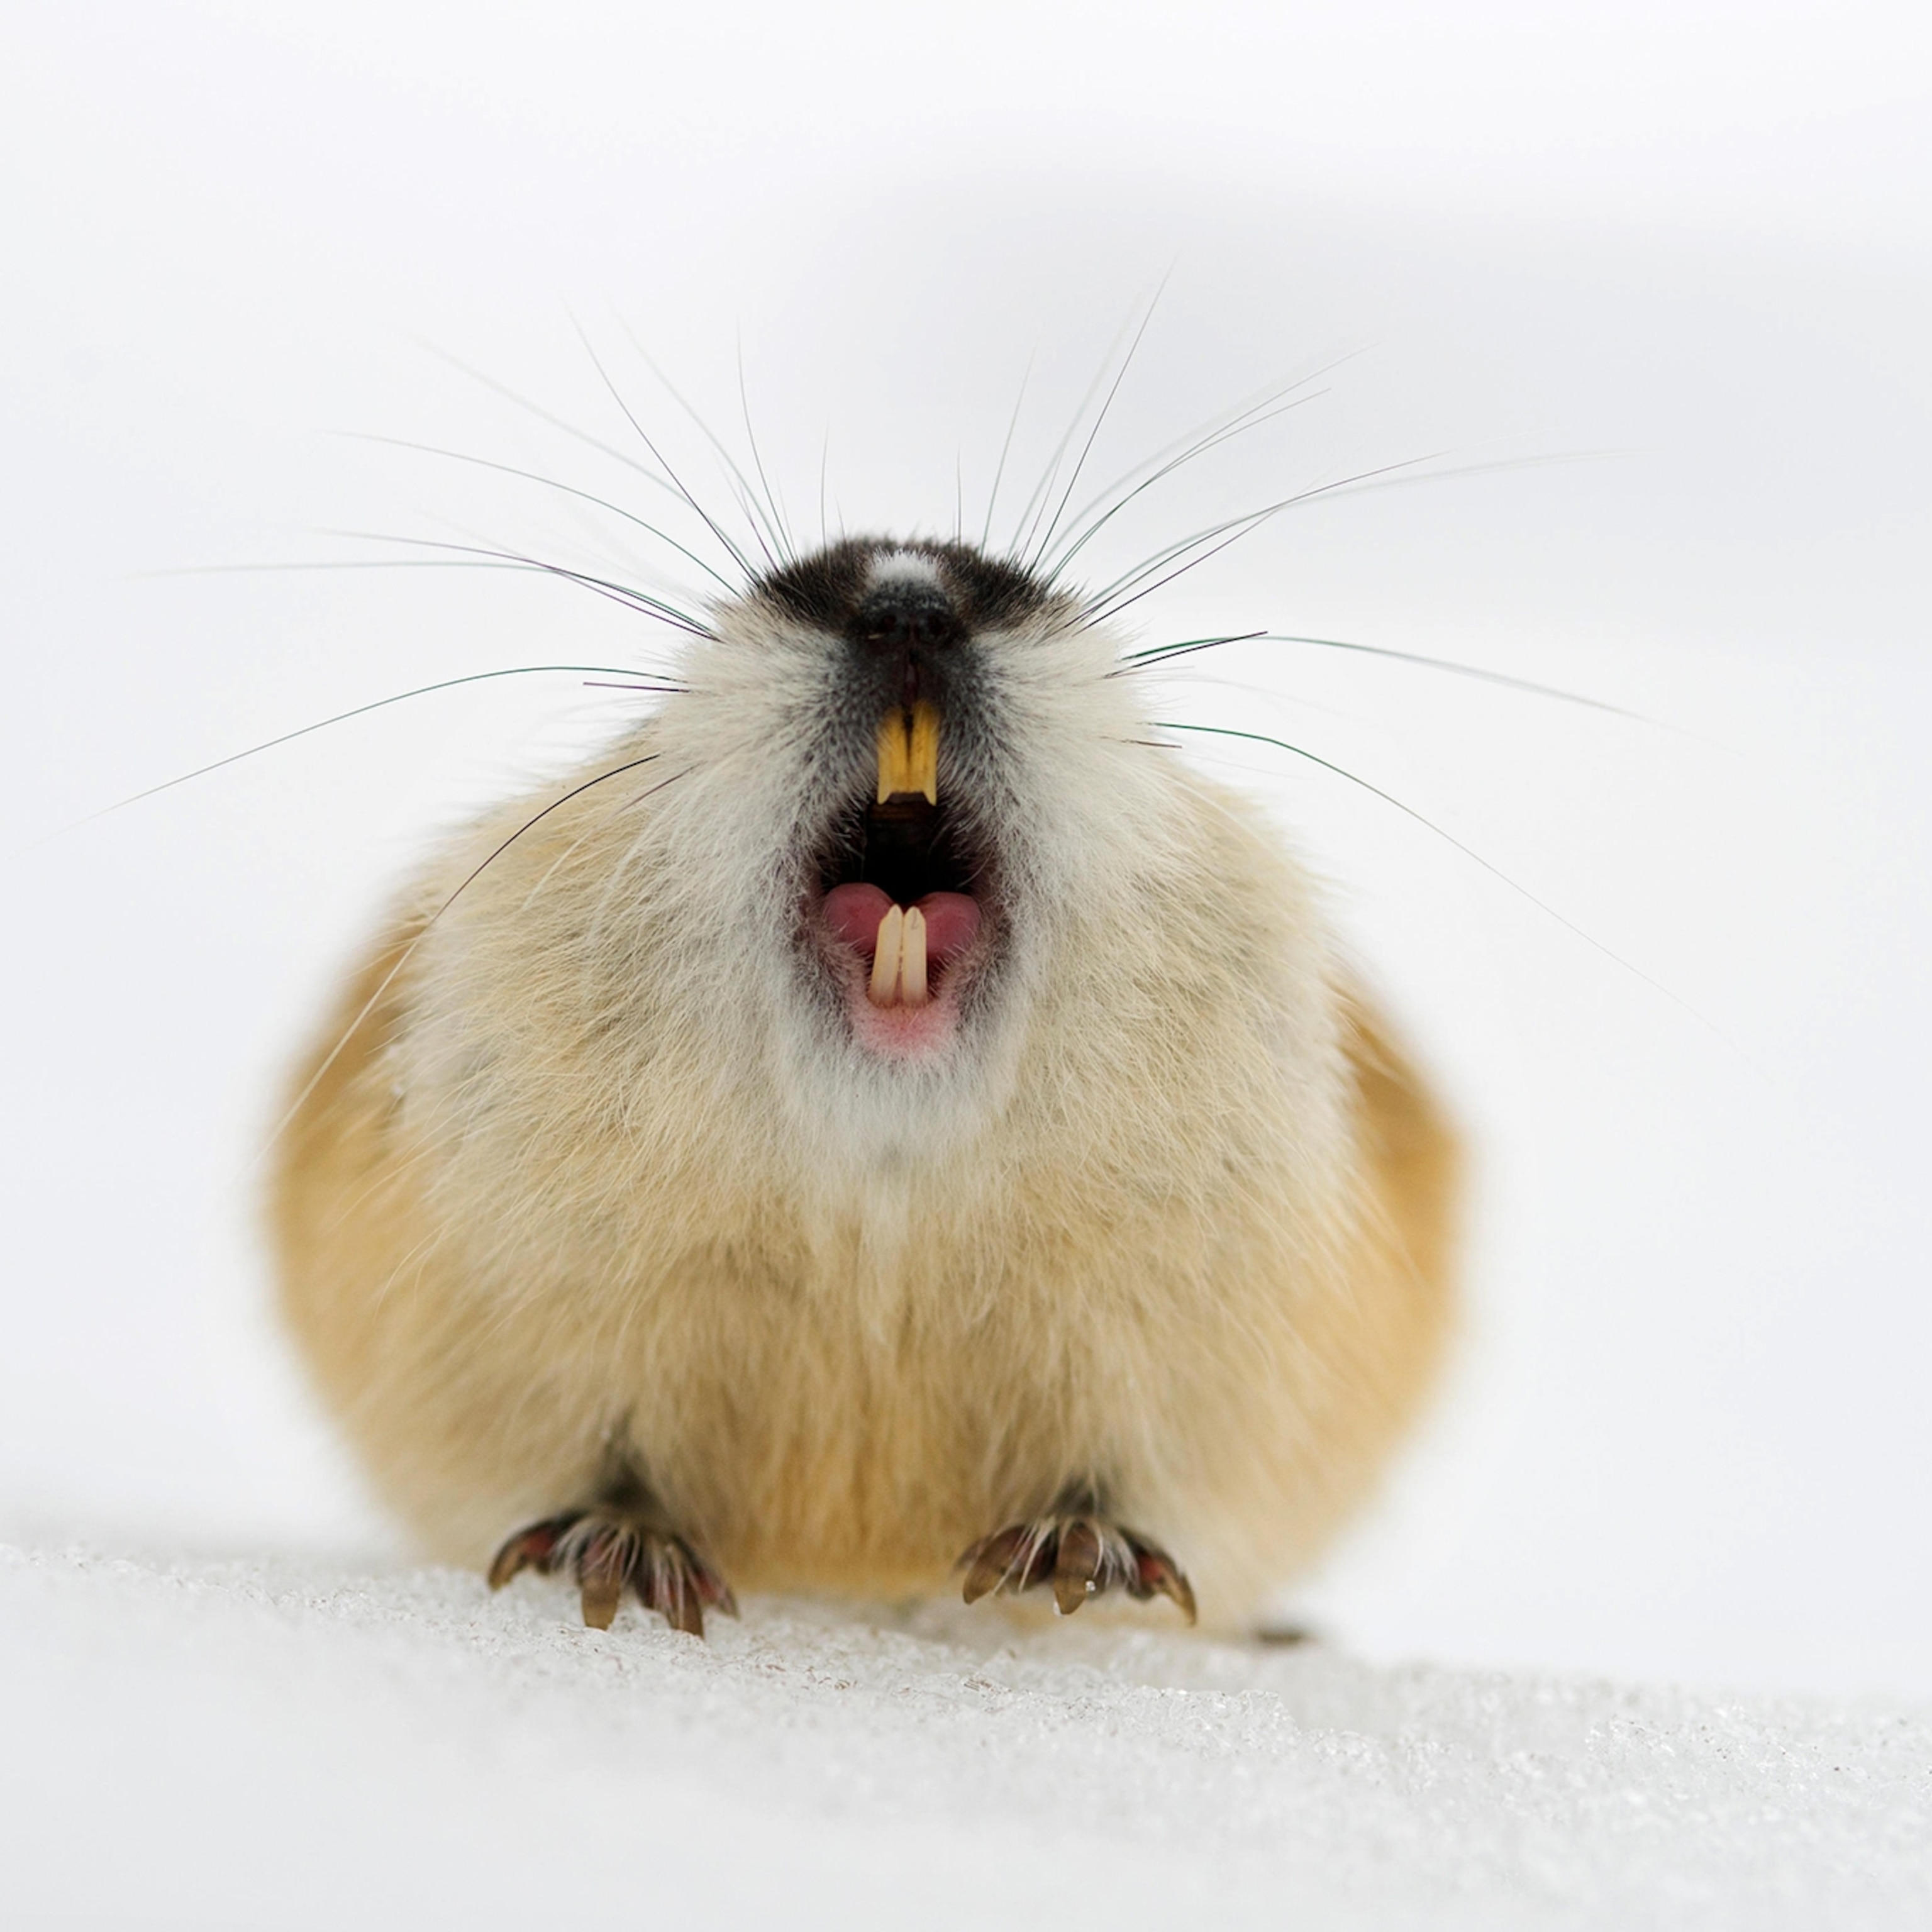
(597, 1166)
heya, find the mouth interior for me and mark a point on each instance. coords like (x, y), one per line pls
(899, 891)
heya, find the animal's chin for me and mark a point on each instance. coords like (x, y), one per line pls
(900, 921)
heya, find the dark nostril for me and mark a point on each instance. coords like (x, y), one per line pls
(895, 625)
(895, 632)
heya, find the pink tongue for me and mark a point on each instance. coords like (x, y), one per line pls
(952, 920)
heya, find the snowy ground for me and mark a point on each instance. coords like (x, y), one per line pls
(297, 1744)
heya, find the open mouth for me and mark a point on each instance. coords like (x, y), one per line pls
(901, 913)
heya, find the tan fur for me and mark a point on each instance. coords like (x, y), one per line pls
(581, 1174)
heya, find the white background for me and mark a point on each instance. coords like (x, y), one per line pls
(1679, 259)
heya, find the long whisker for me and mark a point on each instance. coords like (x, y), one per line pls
(569, 429)
(704, 516)
(628, 595)
(1161, 654)
(1085, 534)
(1099, 419)
(1468, 852)
(357, 711)
(422, 932)
(1227, 422)
(1006, 450)
(577, 844)
(1385, 476)
(1134, 661)
(1103, 603)
(746, 498)
(1035, 507)
(787, 548)
(486, 560)
(1176, 456)
(568, 489)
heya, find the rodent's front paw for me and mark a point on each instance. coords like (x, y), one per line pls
(1081, 1554)
(606, 1549)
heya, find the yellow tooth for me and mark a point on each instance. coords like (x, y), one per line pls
(912, 958)
(909, 753)
(922, 753)
(884, 991)
(894, 754)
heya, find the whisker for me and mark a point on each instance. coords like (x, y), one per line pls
(753, 516)
(1161, 654)
(1384, 476)
(488, 561)
(569, 429)
(570, 851)
(422, 932)
(535, 476)
(342, 718)
(1099, 419)
(1035, 506)
(632, 598)
(736, 556)
(1132, 661)
(1110, 599)
(1467, 851)
(1006, 449)
(1222, 422)
(746, 501)
(1178, 455)
(1255, 696)
(787, 548)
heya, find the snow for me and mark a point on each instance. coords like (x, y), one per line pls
(300, 1742)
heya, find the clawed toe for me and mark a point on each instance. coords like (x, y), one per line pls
(607, 1553)
(1083, 1556)
(1012, 1559)
(1155, 1574)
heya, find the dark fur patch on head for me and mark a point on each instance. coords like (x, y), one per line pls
(827, 588)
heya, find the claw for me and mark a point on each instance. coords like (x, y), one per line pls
(607, 1553)
(1159, 1572)
(1082, 1555)
(1077, 1565)
(991, 1558)
(1039, 1551)
(534, 1547)
(713, 1592)
(601, 1574)
(511, 1560)
(682, 1609)
(666, 1580)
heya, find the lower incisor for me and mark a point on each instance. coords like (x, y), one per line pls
(912, 958)
(888, 949)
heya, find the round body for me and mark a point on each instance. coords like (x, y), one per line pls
(885, 1095)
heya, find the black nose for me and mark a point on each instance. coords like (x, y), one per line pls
(908, 631)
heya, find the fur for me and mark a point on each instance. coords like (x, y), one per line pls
(589, 1165)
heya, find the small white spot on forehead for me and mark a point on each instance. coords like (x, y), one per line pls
(903, 566)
